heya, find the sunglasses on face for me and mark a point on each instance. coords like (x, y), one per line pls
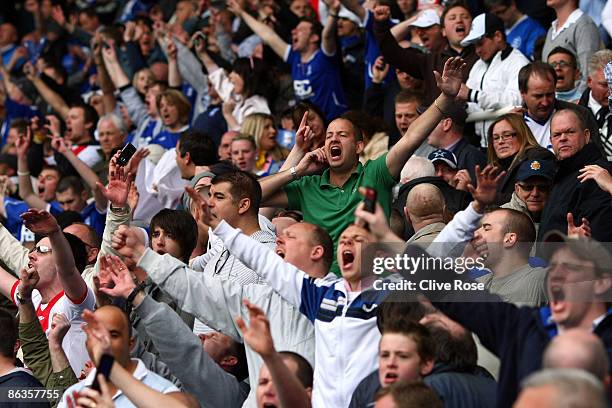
(41, 249)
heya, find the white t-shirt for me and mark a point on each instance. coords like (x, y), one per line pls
(74, 341)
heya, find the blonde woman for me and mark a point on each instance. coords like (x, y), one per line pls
(270, 157)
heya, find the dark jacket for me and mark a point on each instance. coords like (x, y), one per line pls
(506, 187)
(456, 200)
(455, 389)
(582, 199)
(16, 380)
(517, 336)
(379, 100)
(418, 64)
(468, 156)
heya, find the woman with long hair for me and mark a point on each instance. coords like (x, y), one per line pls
(270, 155)
(242, 91)
(510, 143)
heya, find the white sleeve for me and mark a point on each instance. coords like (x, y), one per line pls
(450, 240)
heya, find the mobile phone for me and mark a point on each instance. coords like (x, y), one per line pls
(104, 368)
(126, 154)
(369, 202)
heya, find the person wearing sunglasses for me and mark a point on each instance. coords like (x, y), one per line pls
(532, 188)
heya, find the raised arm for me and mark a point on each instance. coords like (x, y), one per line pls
(41, 222)
(355, 7)
(159, 320)
(271, 186)
(91, 178)
(50, 96)
(291, 393)
(26, 191)
(267, 34)
(449, 83)
(328, 41)
(104, 79)
(174, 75)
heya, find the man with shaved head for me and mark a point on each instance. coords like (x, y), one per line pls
(425, 210)
(576, 348)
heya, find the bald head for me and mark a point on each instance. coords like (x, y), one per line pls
(576, 348)
(425, 202)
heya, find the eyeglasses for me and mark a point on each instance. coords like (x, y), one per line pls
(529, 187)
(560, 64)
(503, 136)
(41, 249)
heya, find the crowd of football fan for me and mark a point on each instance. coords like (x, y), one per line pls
(182, 190)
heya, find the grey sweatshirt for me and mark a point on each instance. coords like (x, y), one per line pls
(199, 374)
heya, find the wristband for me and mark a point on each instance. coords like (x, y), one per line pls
(137, 289)
(334, 15)
(23, 173)
(438, 107)
(294, 174)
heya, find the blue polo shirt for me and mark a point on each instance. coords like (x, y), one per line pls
(318, 80)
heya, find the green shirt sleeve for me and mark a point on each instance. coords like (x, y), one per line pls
(380, 171)
(294, 194)
(36, 354)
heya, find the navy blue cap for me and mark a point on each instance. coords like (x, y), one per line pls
(536, 168)
(445, 156)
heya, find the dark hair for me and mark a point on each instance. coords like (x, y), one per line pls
(295, 215)
(181, 225)
(537, 68)
(316, 27)
(8, 334)
(143, 19)
(71, 182)
(241, 369)
(369, 125)
(321, 237)
(199, 145)
(356, 129)
(492, 3)
(450, 6)
(519, 223)
(253, 72)
(414, 330)
(21, 124)
(400, 304)
(459, 352)
(298, 112)
(79, 252)
(67, 218)
(242, 185)
(562, 50)
(89, 12)
(89, 113)
(222, 167)
(409, 96)
(410, 395)
(304, 370)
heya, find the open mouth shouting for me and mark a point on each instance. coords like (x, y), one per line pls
(390, 377)
(348, 258)
(335, 152)
(280, 252)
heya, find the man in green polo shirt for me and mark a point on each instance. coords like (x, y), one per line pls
(329, 200)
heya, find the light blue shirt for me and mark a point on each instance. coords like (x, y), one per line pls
(148, 378)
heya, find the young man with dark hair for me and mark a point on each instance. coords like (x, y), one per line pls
(312, 57)
(194, 149)
(72, 196)
(174, 232)
(11, 376)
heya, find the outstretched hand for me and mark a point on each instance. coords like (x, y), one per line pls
(257, 335)
(304, 137)
(452, 76)
(40, 222)
(129, 243)
(118, 187)
(486, 191)
(122, 281)
(98, 336)
(583, 230)
(382, 13)
(22, 144)
(202, 209)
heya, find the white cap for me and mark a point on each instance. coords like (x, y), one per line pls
(426, 18)
(484, 24)
(344, 13)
